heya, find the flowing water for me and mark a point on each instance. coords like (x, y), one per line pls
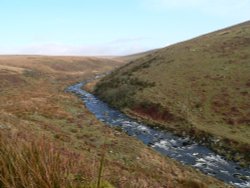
(182, 149)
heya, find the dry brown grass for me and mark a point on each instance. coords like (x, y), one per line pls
(34, 164)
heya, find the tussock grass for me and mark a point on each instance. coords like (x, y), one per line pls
(33, 164)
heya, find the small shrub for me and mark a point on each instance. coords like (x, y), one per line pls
(119, 92)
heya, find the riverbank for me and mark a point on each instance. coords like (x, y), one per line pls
(229, 149)
(151, 114)
(180, 148)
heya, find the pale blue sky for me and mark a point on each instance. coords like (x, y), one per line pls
(110, 27)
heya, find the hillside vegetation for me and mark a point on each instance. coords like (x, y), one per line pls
(199, 88)
(49, 139)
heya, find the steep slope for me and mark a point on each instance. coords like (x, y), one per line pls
(133, 57)
(199, 87)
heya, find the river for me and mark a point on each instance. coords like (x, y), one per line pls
(181, 149)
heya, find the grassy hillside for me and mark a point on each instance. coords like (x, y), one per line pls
(199, 87)
(133, 57)
(49, 139)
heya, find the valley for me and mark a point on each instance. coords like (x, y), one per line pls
(51, 134)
